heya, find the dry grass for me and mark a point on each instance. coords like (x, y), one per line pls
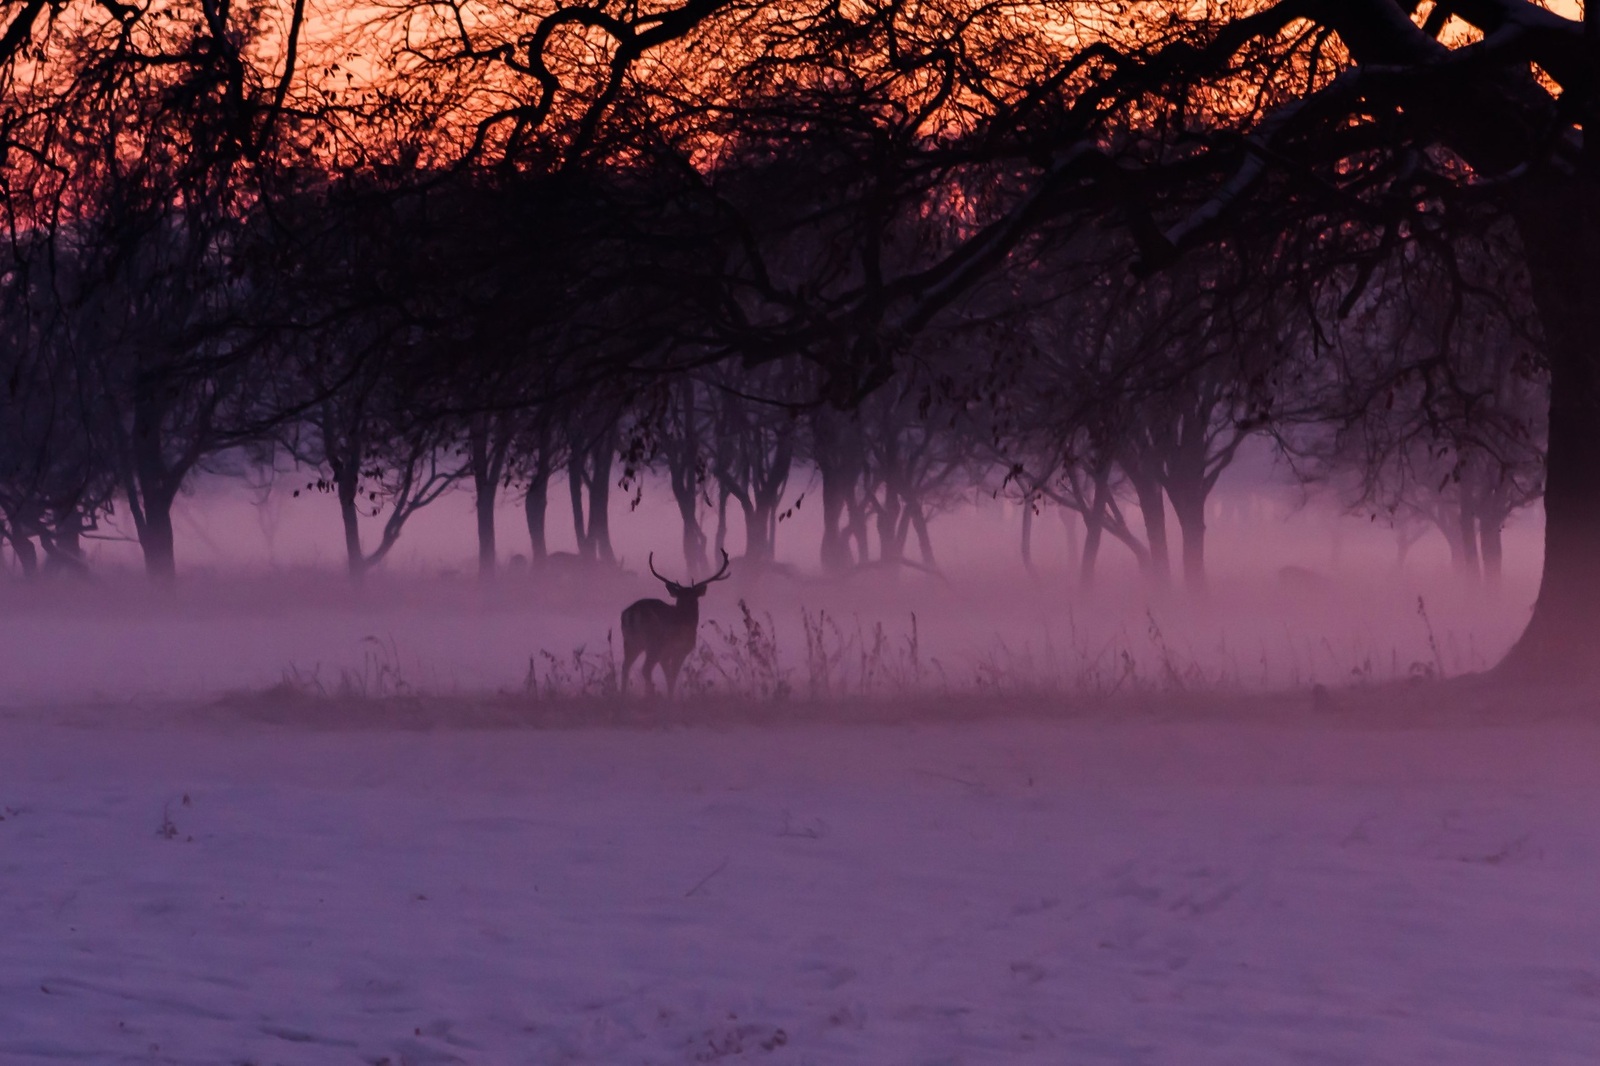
(856, 670)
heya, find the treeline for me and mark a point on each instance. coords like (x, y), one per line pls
(382, 347)
(555, 251)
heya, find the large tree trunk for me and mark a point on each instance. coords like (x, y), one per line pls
(347, 483)
(536, 501)
(1151, 505)
(684, 470)
(156, 540)
(1467, 565)
(600, 499)
(1451, 531)
(1559, 221)
(757, 548)
(63, 547)
(153, 520)
(534, 506)
(1070, 523)
(27, 556)
(1493, 554)
(890, 544)
(1405, 536)
(835, 549)
(687, 498)
(488, 448)
(151, 486)
(1094, 526)
(840, 517)
(1190, 511)
(855, 529)
(722, 521)
(766, 495)
(919, 525)
(580, 529)
(483, 505)
(838, 460)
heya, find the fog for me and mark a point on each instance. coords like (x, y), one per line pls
(1298, 594)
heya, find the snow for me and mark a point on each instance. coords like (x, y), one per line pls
(199, 884)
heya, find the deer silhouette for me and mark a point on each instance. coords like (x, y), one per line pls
(664, 632)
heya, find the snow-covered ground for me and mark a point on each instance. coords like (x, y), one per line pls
(206, 886)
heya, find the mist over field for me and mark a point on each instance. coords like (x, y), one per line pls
(1298, 595)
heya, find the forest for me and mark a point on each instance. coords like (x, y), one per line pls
(1074, 254)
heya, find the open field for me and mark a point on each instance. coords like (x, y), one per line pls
(1171, 884)
(286, 822)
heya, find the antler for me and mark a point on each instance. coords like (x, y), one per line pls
(720, 575)
(659, 578)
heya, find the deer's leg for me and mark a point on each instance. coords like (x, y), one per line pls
(649, 674)
(671, 668)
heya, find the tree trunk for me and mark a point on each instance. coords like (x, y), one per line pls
(488, 464)
(1561, 637)
(1027, 536)
(856, 529)
(1190, 512)
(1405, 537)
(766, 494)
(835, 549)
(534, 506)
(694, 538)
(1070, 522)
(756, 548)
(156, 540)
(1094, 524)
(27, 556)
(1489, 528)
(1153, 508)
(722, 521)
(157, 489)
(536, 500)
(838, 461)
(63, 548)
(902, 532)
(1451, 531)
(919, 524)
(483, 504)
(600, 500)
(151, 489)
(685, 469)
(838, 517)
(575, 489)
(889, 543)
(347, 482)
(1467, 526)
(1559, 220)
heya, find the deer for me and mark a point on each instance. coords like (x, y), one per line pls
(664, 632)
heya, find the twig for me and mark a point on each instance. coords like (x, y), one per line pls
(702, 882)
(947, 777)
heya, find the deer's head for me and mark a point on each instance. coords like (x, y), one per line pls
(689, 593)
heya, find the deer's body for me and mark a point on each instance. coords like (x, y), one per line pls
(664, 632)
